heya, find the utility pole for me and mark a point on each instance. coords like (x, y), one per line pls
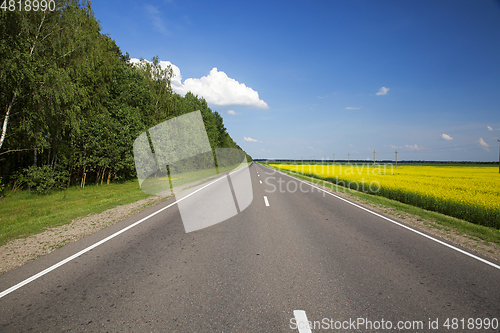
(348, 158)
(374, 157)
(333, 158)
(396, 158)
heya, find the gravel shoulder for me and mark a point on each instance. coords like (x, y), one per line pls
(486, 249)
(19, 251)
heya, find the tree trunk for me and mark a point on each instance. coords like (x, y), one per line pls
(102, 175)
(109, 177)
(7, 115)
(54, 161)
(69, 178)
(82, 184)
(97, 176)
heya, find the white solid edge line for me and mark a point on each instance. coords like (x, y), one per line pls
(400, 224)
(266, 201)
(301, 321)
(76, 255)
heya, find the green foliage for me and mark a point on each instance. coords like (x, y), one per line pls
(43, 179)
(74, 105)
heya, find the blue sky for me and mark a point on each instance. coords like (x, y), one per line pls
(303, 79)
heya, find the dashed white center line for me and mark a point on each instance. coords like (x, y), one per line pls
(266, 201)
(302, 322)
(260, 181)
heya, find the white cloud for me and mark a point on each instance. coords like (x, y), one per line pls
(351, 108)
(248, 139)
(489, 128)
(164, 65)
(233, 113)
(155, 18)
(446, 137)
(219, 89)
(484, 144)
(152, 10)
(216, 88)
(414, 147)
(411, 147)
(382, 91)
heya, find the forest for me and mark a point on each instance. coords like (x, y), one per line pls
(73, 104)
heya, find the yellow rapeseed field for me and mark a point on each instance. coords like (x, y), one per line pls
(467, 192)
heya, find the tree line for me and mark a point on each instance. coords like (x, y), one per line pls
(73, 104)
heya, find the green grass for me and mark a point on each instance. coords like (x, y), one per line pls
(185, 180)
(162, 183)
(23, 214)
(437, 220)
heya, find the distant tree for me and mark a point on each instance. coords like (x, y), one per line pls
(159, 82)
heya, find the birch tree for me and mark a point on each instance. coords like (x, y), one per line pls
(39, 51)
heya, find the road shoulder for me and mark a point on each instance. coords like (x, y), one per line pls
(22, 250)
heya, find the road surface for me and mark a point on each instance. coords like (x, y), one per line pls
(292, 249)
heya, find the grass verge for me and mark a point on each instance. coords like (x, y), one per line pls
(432, 219)
(23, 214)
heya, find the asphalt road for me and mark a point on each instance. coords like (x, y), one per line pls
(296, 251)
